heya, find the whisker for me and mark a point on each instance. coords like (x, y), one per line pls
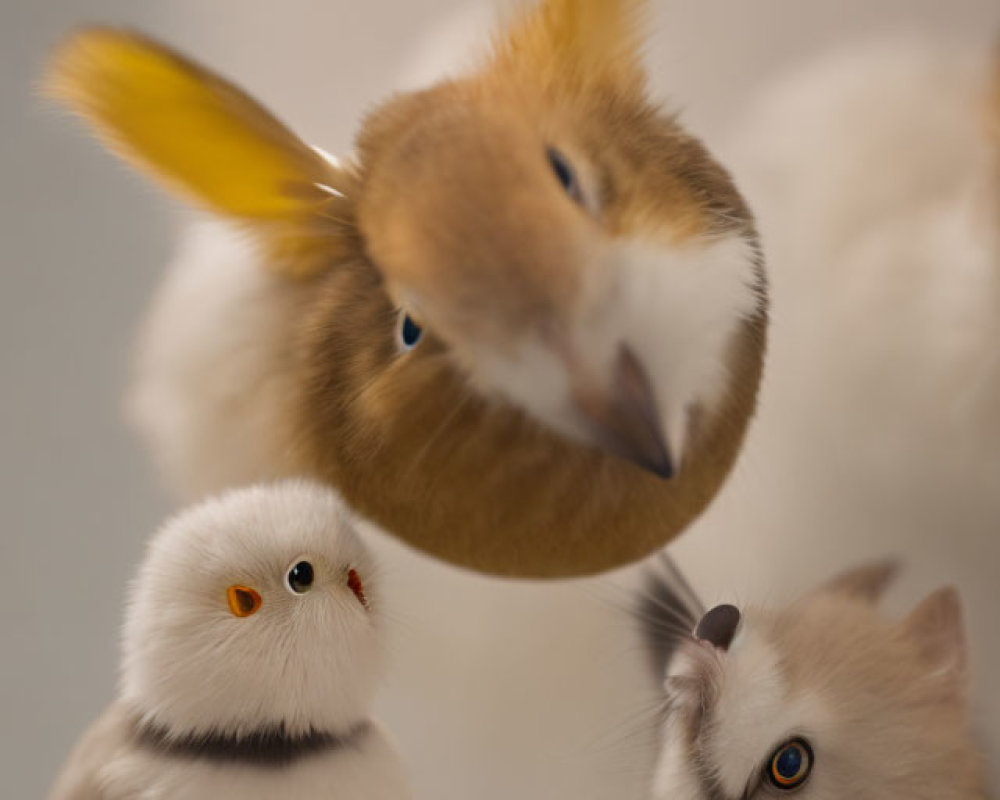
(425, 448)
(682, 615)
(680, 581)
(661, 623)
(633, 745)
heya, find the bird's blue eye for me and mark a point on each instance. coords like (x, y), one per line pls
(408, 331)
(790, 764)
(565, 174)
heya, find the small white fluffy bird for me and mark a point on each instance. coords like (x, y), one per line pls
(251, 656)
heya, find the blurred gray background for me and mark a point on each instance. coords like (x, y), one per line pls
(83, 243)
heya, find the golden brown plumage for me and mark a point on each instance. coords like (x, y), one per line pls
(587, 275)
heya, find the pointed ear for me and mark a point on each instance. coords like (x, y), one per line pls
(867, 582)
(578, 43)
(935, 625)
(203, 136)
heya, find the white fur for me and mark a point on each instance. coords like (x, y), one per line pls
(674, 777)
(824, 460)
(876, 190)
(204, 367)
(753, 714)
(881, 718)
(368, 771)
(675, 307)
(105, 766)
(304, 662)
(535, 377)
(879, 427)
(839, 146)
(679, 310)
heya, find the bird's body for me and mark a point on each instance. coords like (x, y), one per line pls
(233, 385)
(363, 765)
(871, 172)
(251, 652)
(587, 275)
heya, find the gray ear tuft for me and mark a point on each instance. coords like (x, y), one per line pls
(867, 582)
(667, 610)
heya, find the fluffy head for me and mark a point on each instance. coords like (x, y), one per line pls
(871, 708)
(576, 251)
(301, 662)
(529, 296)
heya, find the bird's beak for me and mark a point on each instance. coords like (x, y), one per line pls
(624, 418)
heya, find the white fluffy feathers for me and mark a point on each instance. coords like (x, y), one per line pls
(307, 662)
(218, 704)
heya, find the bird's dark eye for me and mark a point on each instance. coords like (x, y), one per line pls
(790, 765)
(408, 331)
(300, 577)
(565, 173)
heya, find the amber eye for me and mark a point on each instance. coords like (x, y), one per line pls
(300, 577)
(354, 584)
(790, 764)
(243, 601)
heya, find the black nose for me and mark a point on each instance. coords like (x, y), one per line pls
(718, 626)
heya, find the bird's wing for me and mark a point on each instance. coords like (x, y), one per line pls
(206, 138)
(79, 777)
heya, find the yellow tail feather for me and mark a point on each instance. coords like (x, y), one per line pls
(202, 135)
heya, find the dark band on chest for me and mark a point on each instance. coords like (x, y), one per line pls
(269, 747)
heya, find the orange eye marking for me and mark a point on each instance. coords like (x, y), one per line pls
(782, 780)
(790, 765)
(243, 601)
(354, 584)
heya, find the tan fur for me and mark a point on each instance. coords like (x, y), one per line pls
(864, 583)
(416, 431)
(881, 703)
(574, 46)
(897, 709)
(415, 442)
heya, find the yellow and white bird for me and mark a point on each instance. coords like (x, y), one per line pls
(521, 328)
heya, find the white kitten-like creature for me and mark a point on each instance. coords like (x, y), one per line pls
(822, 700)
(251, 654)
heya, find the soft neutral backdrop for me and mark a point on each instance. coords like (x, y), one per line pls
(82, 244)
